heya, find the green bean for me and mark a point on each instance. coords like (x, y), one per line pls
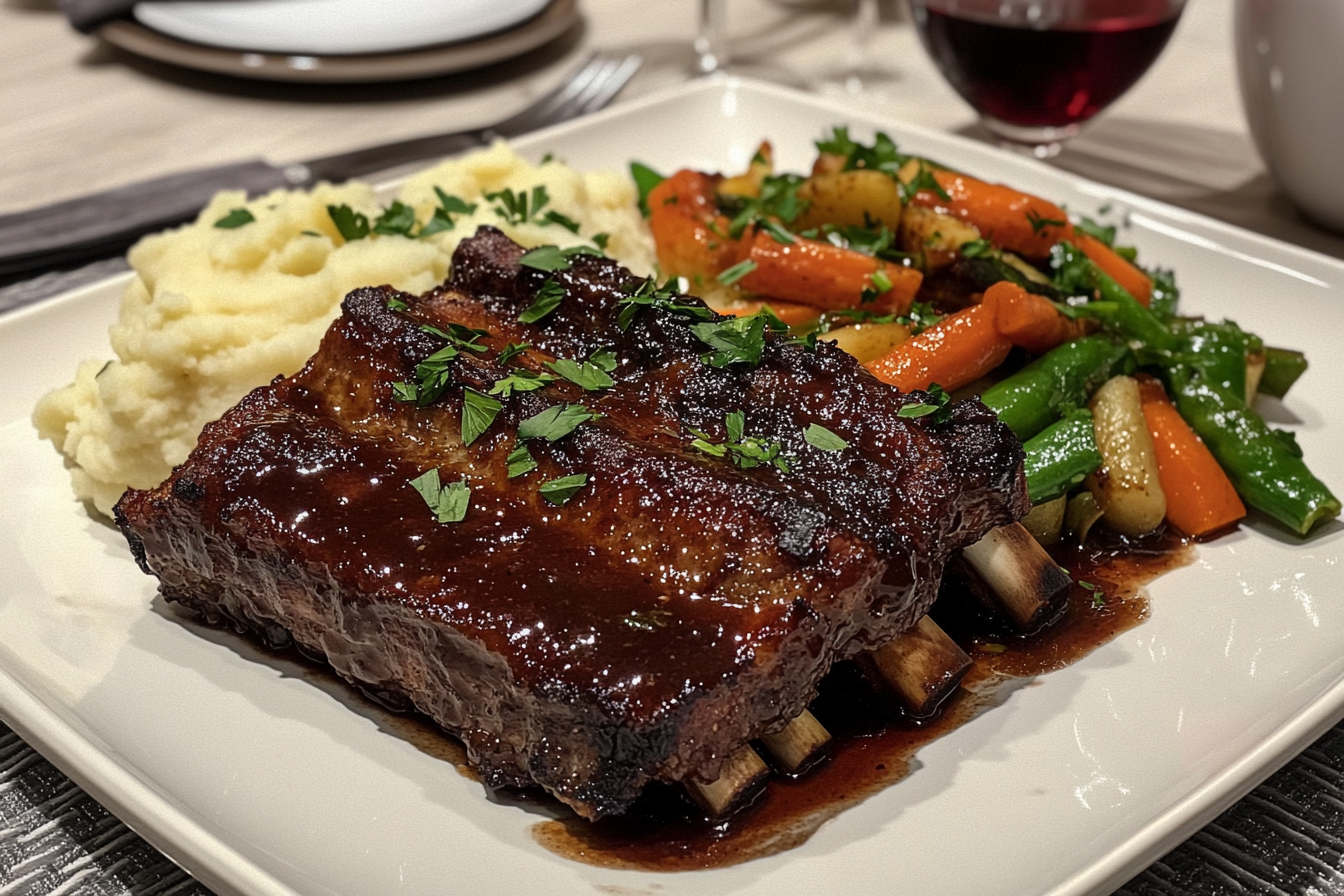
(1263, 467)
(1036, 396)
(1282, 368)
(1061, 456)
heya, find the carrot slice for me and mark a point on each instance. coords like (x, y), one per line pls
(1200, 497)
(957, 350)
(1016, 221)
(1120, 269)
(812, 272)
(1027, 320)
(689, 234)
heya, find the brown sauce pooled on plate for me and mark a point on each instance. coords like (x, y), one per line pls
(873, 744)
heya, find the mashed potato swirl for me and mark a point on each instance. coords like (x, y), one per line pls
(215, 312)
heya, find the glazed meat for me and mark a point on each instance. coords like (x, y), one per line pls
(702, 536)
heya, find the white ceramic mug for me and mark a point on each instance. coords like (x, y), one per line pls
(1290, 61)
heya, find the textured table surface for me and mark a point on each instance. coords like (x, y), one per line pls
(79, 115)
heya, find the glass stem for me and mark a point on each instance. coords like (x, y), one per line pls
(711, 41)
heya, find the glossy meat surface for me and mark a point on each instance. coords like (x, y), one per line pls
(674, 607)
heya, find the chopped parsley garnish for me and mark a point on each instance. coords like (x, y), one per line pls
(555, 422)
(592, 374)
(520, 207)
(600, 240)
(738, 340)
(559, 491)
(645, 179)
(397, 220)
(461, 336)
(976, 248)
(924, 180)
(553, 258)
(511, 351)
(1097, 231)
(547, 299)
(778, 201)
(879, 285)
(432, 378)
(1038, 223)
(520, 462)
(235, 219)
(396, 304)
(648, 294)
(647, 620)
(937, 408)
(881, 156)
(554, 217)
(744, 451)
(819, 436)
(520, 381)
(736, 272)
(448, 502)
(442, 218)
(350, 224)
(1098, 595)
(478, 412)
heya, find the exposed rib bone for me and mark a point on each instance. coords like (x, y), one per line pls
(1025, 584)
(799, 744)
(923, 666)
(741, 774)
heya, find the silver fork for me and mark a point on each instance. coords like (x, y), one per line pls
(102, 224)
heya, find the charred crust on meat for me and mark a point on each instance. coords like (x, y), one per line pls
(675, 608)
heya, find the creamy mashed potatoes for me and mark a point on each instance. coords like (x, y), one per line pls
(214, 312)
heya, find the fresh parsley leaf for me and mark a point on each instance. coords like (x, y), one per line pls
(511, 351)
(478, 412)
(547, 299)
(235, 219)
(520, 207)
(738, 340)
(600, 240)
(442, 218)
(559, 491)
(555, 422)
(460, 336)
(520, 462)
(937, 408)
(405, 392)
(520, 381)
(878, 284)
(882, 155)
(553, 258)
(604, 359)
(744, 451)
(924, 180)
(395, 304)
(645, 179)
(448, 502)
(819, 436)
(586, 374)
(554, 217)
(1097, 231)
(736, 272)
(397, 220)
(976, 248)
(350, 224)
(648, 294)
(433, 376)
(1039, 223)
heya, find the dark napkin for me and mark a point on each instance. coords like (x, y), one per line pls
(89, 15)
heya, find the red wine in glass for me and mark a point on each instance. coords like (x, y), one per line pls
(1036, 70)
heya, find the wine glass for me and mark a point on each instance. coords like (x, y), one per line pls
(1037, 70)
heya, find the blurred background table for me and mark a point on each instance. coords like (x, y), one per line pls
(77, 114)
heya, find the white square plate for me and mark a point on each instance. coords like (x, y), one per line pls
(263, 781)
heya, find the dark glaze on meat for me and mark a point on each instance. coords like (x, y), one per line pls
(674, 608)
